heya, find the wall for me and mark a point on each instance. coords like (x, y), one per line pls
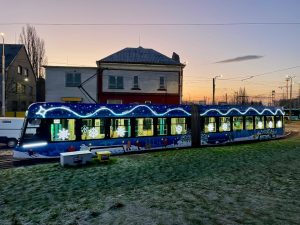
(55, 83)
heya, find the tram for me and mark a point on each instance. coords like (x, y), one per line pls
(53, 128)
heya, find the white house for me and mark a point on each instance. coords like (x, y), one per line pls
(70, 84)
(140, 75)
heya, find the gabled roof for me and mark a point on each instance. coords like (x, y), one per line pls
(139, 55)
(11, 51)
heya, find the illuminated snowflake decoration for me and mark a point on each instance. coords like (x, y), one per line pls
(120, 131)
(260, 125)
(279, 124)
(225, 126)
(210, 127)
(63, 134)
(84, 129)
(178, 129)
(270, 124)
(93, 132)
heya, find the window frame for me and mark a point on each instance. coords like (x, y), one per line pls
(72, 79)
(144, 128)
(115, 82)
(220, 126)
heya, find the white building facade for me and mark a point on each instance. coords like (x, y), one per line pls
(70, 84)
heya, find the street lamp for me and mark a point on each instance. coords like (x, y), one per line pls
(214, 87)
(289, 77)
(3, 77)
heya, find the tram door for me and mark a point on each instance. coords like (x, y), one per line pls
(195, 126)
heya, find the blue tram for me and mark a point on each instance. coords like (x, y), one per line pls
(52, 128)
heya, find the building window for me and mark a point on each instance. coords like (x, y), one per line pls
(115, 82)
(136, 83)
(224, 124)
(114, 101)
(73, 79)
(20, 88)
(144, 127)
(14, 87)
(92, 129)
(63, 130)
(25, 72)
(120, 128)
(19, 69)
(162, 85)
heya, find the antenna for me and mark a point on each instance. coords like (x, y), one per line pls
(139, 40)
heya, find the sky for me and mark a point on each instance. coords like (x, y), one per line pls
(253, 44)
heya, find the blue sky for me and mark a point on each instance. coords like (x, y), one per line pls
(199, 46)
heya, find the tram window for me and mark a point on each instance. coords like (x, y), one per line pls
(120, 128)
(270, 122)
(238, 123)
(209, 124)
(63, 130)
(259, 122)
(92, 129)
(224, 124)
(178, 126)
(162, 128)
(278, 120)
(35, 129)
(144, 127)
(249, 123)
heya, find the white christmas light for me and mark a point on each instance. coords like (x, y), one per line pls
(63, 134)
(243, 113)
(120, 131)
(84, 129)
(93, 132)
(225, 126)
(210, 127)
(279, 124)
(42, 112)
(270, 124)
(178, 129)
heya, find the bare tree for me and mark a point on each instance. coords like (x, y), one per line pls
(35, 47)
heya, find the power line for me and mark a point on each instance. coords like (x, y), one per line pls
(151, 24)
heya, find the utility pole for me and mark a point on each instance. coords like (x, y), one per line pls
(291, 93)
(214, 88)
(273, 97)
(3, 77)
(287, 88)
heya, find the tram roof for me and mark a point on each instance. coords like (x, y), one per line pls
(82, 110)
(239, 110)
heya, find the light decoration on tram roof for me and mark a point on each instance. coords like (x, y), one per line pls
(242, 113)
(42, 111)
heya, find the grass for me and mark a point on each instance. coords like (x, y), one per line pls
(242, 184)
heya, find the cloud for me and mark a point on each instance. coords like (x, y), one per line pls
(241, 58)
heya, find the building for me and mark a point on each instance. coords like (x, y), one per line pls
(62, 84)
(140, 75)
(20, 83)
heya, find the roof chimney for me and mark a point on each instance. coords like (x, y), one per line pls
(176, 57)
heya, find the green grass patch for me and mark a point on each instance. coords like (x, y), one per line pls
(254, 183)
